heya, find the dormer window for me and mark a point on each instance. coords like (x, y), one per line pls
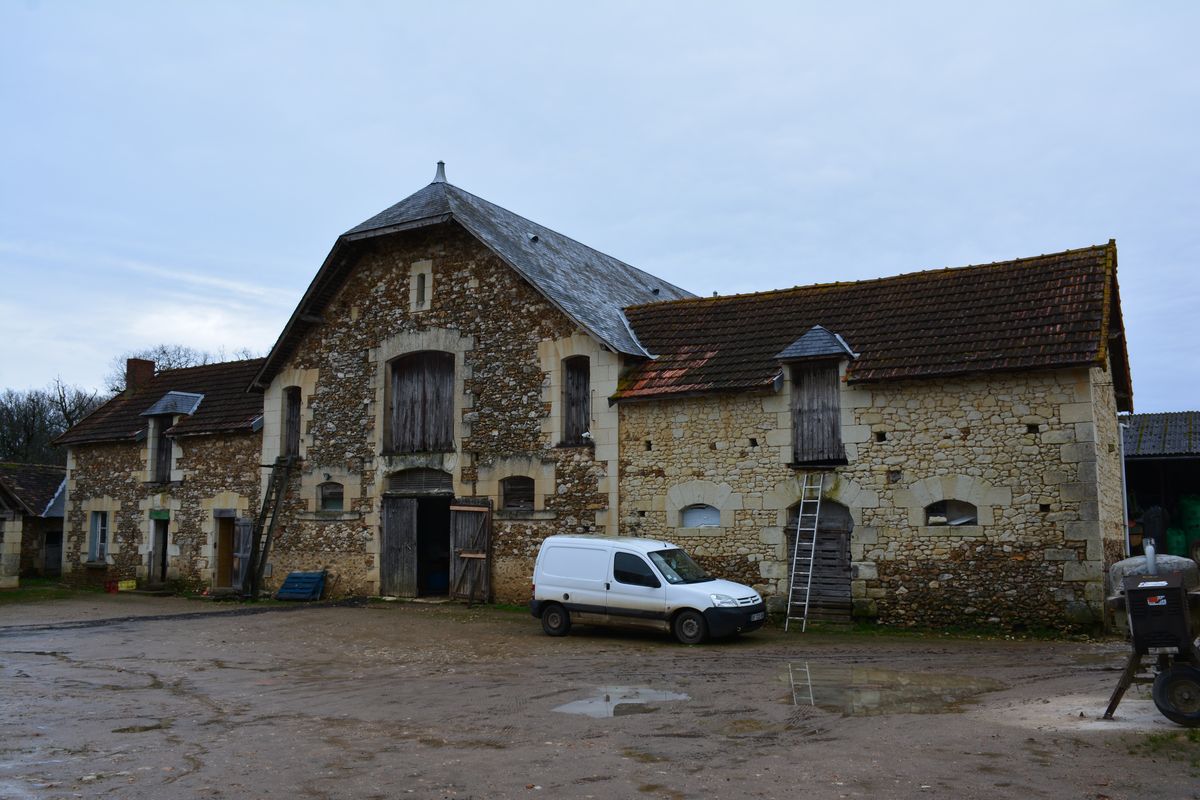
(161, 472)
(815, 361)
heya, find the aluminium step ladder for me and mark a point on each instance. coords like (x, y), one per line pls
(801, 679)
(804, 551)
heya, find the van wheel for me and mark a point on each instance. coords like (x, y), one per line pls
(555, 620)
(689, 627)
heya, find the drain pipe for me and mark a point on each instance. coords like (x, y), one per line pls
(1121, 426)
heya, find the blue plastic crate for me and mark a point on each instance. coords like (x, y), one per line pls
(302, 586)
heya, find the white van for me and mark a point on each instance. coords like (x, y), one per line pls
(642, 583)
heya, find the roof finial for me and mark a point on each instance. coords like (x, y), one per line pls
(440, 177)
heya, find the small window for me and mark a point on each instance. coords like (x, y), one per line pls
(699, 516)
(633, 570)
(330, 496)
(291, 421)
(420, 290)
(950, 512)
(516, 493)
(98, 537)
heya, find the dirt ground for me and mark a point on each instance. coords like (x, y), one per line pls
(131, 697)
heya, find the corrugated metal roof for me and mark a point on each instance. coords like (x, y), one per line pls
(175, 403)
(588, 286)
(1170, 434)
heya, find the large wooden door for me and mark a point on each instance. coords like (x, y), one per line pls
(470, 562)
(398, 548)
(243, 541)
(223, 575)
(830, 595)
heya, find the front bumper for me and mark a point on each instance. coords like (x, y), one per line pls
(728, 621)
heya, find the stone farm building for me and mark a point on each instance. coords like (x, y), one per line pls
(458, 379)
(31, 510)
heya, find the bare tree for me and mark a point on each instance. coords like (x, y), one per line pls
(30, 421)
(168, 356)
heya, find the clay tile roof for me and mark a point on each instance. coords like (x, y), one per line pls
(226, 407)
(33, 486)
(1158, 435)
(1046, 312)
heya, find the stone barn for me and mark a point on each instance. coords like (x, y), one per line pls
(459, 382)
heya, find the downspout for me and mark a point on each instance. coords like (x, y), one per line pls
(1121, 426)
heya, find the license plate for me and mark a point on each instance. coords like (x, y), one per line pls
(758, 616)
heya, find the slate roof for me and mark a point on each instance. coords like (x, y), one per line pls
(1046, 312)
(816, 343)
(1170, 434)
(33, 486)
(227, 406)
(588, 286)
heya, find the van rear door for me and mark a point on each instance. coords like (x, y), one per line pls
(574, 575)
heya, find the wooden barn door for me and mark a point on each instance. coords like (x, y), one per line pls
(470, 539)
(398, 548)
(243, 541)
(830, 598)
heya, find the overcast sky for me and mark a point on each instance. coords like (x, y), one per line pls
(177, 172)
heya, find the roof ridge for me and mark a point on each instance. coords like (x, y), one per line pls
(173, 370)
(865, 281)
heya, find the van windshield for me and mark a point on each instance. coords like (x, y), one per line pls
(678, 567)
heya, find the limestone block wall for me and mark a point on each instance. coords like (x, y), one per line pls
(508, 343)
(11, 538)
(1020, 447)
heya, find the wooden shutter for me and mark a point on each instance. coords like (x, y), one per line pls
(420, 481)
(577, 410)
(470, 570)
(291, 424)
(162, 444)
(243, 533)
(422, 403)
(398, 548)
(816, 413)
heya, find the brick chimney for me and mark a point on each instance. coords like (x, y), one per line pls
(138, 372)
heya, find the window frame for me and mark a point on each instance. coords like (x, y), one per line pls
(98, 537)
(696, 507)
(576, 401)
(293, 414)
(642, 581)
(945, 512)
(163, 456)
(506, 490)
(324, 495)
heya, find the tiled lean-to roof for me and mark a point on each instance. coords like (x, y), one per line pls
(226, 406)
(1168, 435)
(588, 286)
(1046, 312)
(33, 487)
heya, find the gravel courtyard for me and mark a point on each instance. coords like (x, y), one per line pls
(131, 697)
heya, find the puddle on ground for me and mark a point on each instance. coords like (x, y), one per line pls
(857, 691)
(620, 701)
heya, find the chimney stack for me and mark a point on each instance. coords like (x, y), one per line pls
(138, 372)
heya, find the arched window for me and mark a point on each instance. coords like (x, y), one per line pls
(577, 399)
(951, 512)
(421, 403)
(516, 493)
(330, 496)
(699, 516)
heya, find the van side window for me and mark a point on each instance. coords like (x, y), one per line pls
(628, 568)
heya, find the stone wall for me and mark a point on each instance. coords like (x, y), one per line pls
(33, 543)
(1020, 447)
(508, 342)
(215, 472)
(1111, 506)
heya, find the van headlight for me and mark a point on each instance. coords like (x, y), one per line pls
(722, 600)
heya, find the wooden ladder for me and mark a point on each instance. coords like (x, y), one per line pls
(804, 551)
(266, 522)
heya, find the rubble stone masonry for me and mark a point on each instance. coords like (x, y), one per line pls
(1021, 447)
(508, 342)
